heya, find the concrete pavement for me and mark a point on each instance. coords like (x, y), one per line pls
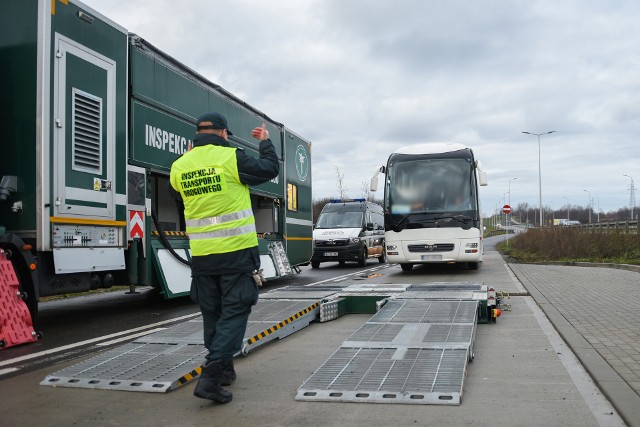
(597, 312)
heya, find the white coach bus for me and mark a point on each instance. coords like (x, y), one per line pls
(432, 206)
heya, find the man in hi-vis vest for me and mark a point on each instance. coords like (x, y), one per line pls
(212, 180)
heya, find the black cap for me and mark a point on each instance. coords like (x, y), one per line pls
(218, 121)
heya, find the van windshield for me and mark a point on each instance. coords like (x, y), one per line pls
(340, 219)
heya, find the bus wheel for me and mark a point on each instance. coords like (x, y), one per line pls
(406, 267)
(472, 265)
(382, 258)
(315, 264)
(362, 261)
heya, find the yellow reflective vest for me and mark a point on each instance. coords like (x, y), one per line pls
(217, 206)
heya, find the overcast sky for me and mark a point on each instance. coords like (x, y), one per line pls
(360, 79)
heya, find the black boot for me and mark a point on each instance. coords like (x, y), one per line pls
(208, 386)
(228, 373)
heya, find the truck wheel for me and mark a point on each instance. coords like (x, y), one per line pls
(362, 261)
(406, 267)
(315, 264)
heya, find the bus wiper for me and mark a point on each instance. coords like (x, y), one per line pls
(460, 218)
(399, 226)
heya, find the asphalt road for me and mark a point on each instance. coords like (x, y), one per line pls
(81, 325)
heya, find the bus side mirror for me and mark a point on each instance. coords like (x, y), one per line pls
(374, 179)
(369, 226)
(482, 178)
(374, 183)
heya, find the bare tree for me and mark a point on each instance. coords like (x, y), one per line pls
(342, 188)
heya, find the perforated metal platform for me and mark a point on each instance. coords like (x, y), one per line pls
(389, 375)
(412, 351)
(278, 318)
(170, 358)
(136, 366)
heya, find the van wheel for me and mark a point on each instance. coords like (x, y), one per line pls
(406, 267)
(362, 261)
(315, 264)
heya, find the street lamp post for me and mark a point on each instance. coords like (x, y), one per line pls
(632, 196)
(589, 204)
(567, 207)
(539, 167)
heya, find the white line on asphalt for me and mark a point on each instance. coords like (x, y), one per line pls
(128, 337)
(335, 279)
(7, 371)
(94, 340)
(604, 413)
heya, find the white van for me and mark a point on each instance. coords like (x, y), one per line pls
(349, 231)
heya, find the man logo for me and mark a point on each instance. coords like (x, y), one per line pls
(302, 163)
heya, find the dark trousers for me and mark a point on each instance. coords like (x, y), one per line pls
(225, 302)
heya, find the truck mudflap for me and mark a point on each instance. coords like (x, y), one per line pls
(16, 326)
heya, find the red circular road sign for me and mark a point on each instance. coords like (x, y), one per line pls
(506, 209)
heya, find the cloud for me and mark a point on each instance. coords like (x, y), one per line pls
(360, 79)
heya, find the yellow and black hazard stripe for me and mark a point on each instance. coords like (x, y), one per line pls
(171, 233)
(281, 325)
(188, 377)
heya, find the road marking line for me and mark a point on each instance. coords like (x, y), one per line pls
(94, 340)
(128, 337)
(335, 279)
(7, 370)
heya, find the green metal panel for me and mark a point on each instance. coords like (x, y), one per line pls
(157, 138)
(106, 39)
(299, 226)
(162, 82)
(18, 86)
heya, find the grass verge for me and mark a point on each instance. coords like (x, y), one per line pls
(566, 244)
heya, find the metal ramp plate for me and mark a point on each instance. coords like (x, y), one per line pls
(377, 287)
(167, 359)
(301, 292)
(411, 351)
(275, 319)
(447, 291)
(135, 366)
(426, 311)
(389, 375)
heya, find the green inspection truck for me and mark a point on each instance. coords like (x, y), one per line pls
(93, 117)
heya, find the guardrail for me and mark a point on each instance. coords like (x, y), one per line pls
(630, 227)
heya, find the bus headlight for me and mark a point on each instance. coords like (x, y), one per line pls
(471, 248)
(392, 250)
(354, 240)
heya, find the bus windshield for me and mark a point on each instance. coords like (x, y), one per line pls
(430, 185)
(340, 217)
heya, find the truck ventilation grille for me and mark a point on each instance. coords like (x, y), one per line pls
(87, 132)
